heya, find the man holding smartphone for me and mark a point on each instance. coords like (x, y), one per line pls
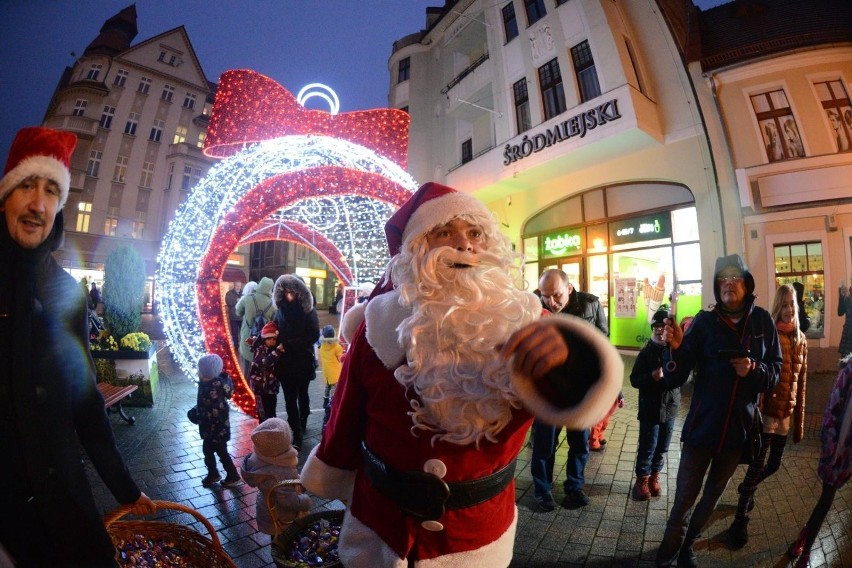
(735, 345)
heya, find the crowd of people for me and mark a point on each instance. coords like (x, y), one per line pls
(449, 365)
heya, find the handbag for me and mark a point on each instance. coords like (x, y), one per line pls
(754, 441)
(192, 415)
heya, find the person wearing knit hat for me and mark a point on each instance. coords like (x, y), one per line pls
(48, 376)
(736, 347)
(331, 358)
(658, 404)
(263, 379)
(444, 374)
(273, 460)
(215, 388)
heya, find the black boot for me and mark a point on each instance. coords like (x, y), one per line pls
(738, 532)
(687, 557)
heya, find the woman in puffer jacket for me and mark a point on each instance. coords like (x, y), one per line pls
(783, 408)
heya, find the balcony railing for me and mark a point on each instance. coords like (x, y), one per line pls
(467, 71)
(77, 124)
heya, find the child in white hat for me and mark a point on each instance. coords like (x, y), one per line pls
(274, 459)
(214, 426)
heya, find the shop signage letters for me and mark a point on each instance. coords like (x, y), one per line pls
(577, 125)
(562, 243)
(648, 227)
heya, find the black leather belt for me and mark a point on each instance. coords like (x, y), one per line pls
(426, 496)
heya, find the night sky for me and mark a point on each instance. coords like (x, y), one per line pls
(342, 43)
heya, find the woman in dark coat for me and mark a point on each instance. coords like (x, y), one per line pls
(298, 331)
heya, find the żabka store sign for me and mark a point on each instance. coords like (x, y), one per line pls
(577, 125)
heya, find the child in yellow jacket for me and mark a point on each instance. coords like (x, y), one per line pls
(330, 356)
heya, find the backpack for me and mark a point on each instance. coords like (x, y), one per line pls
(260, 319)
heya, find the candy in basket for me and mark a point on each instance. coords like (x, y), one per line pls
(309, 541)
(145, 543)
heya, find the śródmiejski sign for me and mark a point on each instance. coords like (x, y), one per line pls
(577, 125)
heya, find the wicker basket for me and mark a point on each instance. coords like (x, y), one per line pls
(196, 548)
(288, 532)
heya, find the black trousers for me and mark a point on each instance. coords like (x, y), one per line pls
(297, 402)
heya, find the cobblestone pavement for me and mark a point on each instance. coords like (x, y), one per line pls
(163, 452)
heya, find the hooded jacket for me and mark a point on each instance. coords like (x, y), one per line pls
(298, 327)
(658, 403)
(722, 409)
(50, 406)
(262, 295)
(288, 501)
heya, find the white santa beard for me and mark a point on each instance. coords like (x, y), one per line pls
(460, 317)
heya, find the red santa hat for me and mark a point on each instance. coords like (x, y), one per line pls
(42, 152)
(269, 330)
(432, 205)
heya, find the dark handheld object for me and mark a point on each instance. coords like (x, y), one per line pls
(728, 354)
(671, 365)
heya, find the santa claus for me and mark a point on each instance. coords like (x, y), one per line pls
(449, 362)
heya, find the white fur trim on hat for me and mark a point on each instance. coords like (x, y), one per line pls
(440, 210)
(600, 396)
(41, 166)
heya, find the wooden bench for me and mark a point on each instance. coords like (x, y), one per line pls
(113, 395)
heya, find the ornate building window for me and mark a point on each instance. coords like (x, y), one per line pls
(80, 107)
(120, 78)
(522, 105)
(94, 165)
(803, 263)
(404, 71)
(552, 92)
(778, 127)
(838, 110)
(510, 22)
(535, 10)
(584, 67)
(156, 130)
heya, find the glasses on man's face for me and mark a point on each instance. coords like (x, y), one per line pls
(729, 279)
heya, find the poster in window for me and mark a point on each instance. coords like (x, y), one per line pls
(792, 139)
(771, 140)
(840, 128)
(625, 297)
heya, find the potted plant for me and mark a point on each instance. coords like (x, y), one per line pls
(124, 355)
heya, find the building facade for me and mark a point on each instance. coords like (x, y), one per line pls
(774, 83)
(576, 123)
(140, 114)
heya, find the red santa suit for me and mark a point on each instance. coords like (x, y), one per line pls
(372, 408)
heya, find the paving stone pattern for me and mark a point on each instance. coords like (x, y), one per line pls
(163, 451)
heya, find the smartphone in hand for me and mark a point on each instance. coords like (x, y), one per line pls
(728, 354)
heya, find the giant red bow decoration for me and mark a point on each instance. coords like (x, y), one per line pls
(251, 107)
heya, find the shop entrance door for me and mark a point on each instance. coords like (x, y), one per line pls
(573, 270)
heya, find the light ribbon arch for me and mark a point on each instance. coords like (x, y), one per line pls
(333, 187)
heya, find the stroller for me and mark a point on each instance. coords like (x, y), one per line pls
(96, 326)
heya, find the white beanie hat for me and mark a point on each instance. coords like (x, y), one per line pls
(209, 366)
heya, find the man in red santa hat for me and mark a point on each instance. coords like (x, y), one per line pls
(49, 402)
(442, 380)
